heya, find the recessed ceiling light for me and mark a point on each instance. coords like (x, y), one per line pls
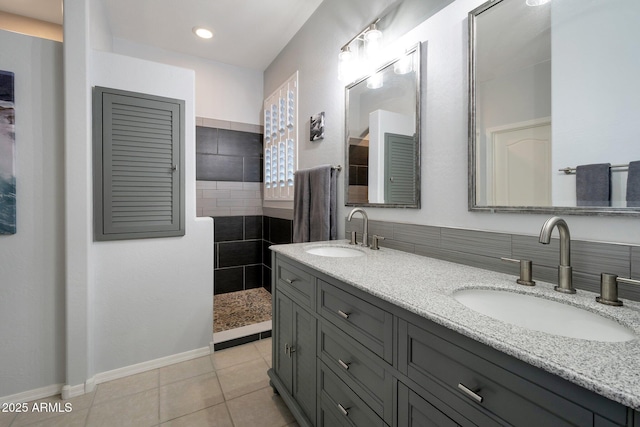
(537, 2)
(202, 32)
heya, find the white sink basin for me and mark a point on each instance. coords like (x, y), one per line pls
(334, 251)
(543, 315)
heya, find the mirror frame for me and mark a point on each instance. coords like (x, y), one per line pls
(473, 206)
(416, 49)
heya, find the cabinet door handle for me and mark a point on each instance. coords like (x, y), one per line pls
(344, 365)
(343, 314)
(290, 281)
(288, 349)
(471, 393)
(343, 410)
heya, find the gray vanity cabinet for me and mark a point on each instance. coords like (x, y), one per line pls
(343, 357)
(294, 340)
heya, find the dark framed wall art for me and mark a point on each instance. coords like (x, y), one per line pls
(7, 154)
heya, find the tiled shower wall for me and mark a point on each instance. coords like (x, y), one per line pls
(484, 249)
(229, 189)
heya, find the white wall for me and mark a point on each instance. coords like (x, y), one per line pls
(598, 125)
(444, 118)
(32, 332)
(223, 92)
(153, 296)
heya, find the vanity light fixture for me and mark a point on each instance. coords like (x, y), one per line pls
(357, 52)
(202, 32)
(537, 2)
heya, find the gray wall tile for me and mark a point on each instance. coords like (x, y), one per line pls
(635, 262)
(422, 235)
(398, 245)
(218, 168)
(206, 140)
(476, 242)
(235, 143)
(596, 258)
(380, 228)
(252, 169)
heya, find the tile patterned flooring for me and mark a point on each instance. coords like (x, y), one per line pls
(229, 388)
(236, 309)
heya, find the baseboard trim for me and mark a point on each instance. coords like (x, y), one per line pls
(150, 365)
(68, 391)
(35, 394)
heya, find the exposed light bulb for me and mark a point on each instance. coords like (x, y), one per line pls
(372, 41)
(202, 32)
(375, 81)
(345, 59)
(403, 65)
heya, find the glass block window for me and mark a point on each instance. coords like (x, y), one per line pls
(281, 140)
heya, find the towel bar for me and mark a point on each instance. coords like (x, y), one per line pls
(570, 171)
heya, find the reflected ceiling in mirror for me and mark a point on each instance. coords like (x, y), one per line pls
(553, 101)
(383, 136)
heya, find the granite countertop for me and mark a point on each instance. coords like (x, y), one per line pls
(425, 286)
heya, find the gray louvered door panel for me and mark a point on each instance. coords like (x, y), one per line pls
(140, 157)
(400, 160)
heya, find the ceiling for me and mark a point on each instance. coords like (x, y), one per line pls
(247, 33)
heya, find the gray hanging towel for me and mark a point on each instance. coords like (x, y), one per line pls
(315, 205)
(301, 203)
(633, 185)
(593, 185)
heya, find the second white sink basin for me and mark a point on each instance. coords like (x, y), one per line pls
(540, 314)
(334, 251)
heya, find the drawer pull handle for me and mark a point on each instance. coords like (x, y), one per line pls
(344, 365)
(343, 314)
(290, 281)
(343, 410)
(472, 394)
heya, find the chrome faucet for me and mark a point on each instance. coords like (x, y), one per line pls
(365, 228)
(565, 272)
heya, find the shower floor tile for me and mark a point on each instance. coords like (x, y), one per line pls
(236, 309)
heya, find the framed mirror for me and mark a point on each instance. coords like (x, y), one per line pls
(383, 136)
(553, 106)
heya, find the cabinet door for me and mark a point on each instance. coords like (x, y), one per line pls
(283, 340)
(304, 360)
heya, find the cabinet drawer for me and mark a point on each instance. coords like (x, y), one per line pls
(343, 403)
(414, 411)
(360, 369)
(430, 360)
(367, 323)
(296, 283)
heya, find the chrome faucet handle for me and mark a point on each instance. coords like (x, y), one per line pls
(609, 288)
(374, 242)
(526, 271)
(353, 240)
